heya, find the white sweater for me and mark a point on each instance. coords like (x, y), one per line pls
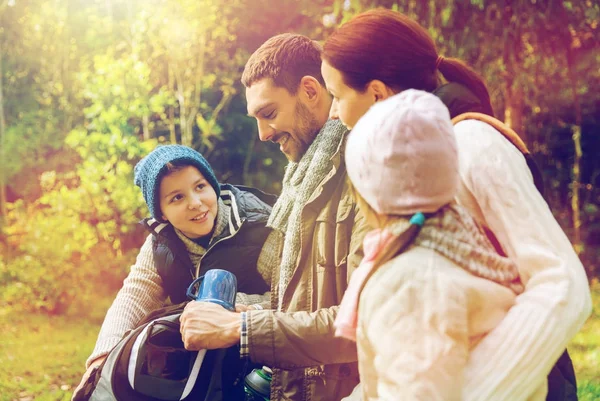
(420, 316)
(498, 190)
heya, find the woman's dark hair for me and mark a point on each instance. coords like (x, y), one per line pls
(387, 45)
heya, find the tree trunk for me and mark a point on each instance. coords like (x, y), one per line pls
(513, 94)
(513, 113)
(145, 127)
(172, 135)
(194, 103)
(186, 136)
(576, 182)
(65, 68)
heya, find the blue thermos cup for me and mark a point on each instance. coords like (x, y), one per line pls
(217, 286)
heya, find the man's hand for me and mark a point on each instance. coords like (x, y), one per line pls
(205, 325)
(244, 308)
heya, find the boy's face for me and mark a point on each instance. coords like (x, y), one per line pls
(188, 202)
(282, 118)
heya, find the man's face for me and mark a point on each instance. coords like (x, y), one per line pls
(282, 118)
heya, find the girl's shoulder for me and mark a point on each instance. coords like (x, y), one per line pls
(418, 278)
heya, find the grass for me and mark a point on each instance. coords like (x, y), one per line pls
(42, 357)
(585, 352)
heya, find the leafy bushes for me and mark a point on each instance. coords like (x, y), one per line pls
(79, 236)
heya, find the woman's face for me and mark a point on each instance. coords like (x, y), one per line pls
(188, 202)
(348, 105)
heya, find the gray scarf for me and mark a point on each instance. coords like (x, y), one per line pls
(454, 234)
(299, 183)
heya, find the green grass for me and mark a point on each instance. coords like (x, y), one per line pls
(42, 357)
(585, 352)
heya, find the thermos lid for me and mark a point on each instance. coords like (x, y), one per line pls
(259, 380)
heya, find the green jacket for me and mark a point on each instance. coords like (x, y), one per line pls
(309, 363)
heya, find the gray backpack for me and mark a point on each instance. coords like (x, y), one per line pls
(150, 363)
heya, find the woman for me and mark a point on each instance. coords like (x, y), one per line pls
(382, 52)
(197, 224)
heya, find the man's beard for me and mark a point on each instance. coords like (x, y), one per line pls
(307, 127)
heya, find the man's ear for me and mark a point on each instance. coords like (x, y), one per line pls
(310, 89)
(379, 90)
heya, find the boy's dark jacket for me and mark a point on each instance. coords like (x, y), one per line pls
(236, 249)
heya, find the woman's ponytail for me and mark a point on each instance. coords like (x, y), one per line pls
(455, 70)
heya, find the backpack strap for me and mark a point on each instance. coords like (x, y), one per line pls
(513, 138)
(504, 129)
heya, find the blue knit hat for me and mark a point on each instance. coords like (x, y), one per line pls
(150, 170)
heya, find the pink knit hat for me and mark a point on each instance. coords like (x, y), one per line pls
(401, 156)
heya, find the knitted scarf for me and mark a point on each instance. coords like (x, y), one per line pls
(452, 233)
(300, 181)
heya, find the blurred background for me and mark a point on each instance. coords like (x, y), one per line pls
(88, 87)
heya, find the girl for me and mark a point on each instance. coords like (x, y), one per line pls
(382, 52)
(197, 224)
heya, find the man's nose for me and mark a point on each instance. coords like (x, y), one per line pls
(265, 131)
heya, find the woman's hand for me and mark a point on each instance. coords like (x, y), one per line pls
(87, 374)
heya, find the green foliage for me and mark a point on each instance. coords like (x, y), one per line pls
(90, 87)
(120, 94)
(81, 215)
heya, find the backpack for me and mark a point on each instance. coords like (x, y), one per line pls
(562, 383)
(150, 363)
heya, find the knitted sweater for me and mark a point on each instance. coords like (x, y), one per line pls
(421, 314)
(498, 190)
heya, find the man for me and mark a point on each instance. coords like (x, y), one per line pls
(316, 241)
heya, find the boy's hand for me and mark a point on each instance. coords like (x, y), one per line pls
(87, 374)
